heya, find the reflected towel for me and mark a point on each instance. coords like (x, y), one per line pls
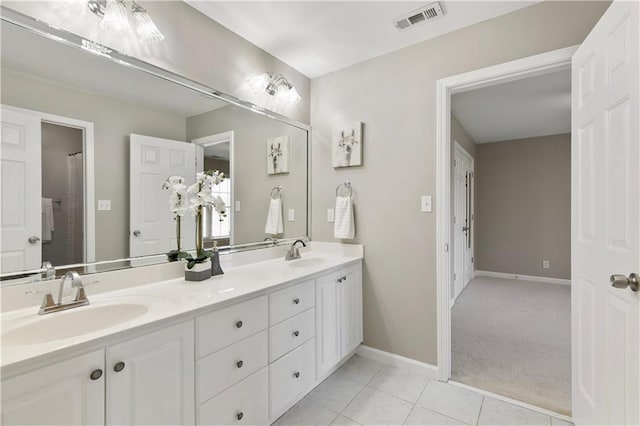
(47, 220)
(344, 226)
(275, 223)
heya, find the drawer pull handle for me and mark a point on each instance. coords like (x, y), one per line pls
(296, 300)
(96, 374)
(240, 364)
(118, 367)
(339, 280)
(344, 278)
(239, 324)
(296, 333)
(296, 374)
(240, 415)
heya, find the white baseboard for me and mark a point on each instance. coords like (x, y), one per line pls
(412, 365)
(523, 277)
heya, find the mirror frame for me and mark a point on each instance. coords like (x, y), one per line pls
(50, 32)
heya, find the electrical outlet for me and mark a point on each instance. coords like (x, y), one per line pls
(545, 264)
(331, 216)
(104, 205)
(291, 215)
(425, 203)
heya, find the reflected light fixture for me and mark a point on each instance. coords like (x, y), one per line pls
(276, 85)
(114, 18)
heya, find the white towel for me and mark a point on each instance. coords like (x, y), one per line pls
(275, 223)
(344, 226)
(47, 220)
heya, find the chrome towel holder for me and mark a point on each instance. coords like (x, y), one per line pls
(276, 192)
(347, 186)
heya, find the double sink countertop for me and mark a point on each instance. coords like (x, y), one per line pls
(118, 309)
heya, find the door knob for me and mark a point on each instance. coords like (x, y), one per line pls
(33, 239)
(621, 281)
(136, 233)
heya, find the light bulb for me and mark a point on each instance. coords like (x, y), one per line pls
(147, 31)
(115, 17)
(289, 97)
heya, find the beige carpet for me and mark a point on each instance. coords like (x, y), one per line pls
(513, 338)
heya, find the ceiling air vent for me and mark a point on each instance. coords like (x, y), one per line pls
(424, 14)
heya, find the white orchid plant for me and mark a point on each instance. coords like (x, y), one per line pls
(193, 199)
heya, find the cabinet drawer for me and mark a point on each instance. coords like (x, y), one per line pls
(247, 403)
(290, 334)
(291, 301)
(291, 375)
(226, 326)
(220, 370)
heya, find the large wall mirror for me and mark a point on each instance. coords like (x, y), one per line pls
(88, 141)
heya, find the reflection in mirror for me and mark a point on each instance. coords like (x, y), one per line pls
(87, 144)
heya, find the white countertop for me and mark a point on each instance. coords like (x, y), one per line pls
(171, 299)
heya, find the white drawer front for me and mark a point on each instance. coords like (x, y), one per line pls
(291, 301)
(220, 370)
(290, 334)
(291, 375)
(247, 403)
(228, 325)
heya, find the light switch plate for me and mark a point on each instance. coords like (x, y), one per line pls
(425, 205)
(331, 217)
(104, 205)
(291, 215)
(237, 203)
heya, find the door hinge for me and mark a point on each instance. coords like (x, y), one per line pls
(446, 248)
(454, 219)
(455, 163)
(454, 276)
(472, 259)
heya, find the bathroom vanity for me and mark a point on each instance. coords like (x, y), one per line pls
(240, 348)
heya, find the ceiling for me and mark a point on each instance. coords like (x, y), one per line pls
(317, 37)
(535, 106)
(72, 67)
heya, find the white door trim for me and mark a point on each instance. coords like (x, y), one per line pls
(89, 174)
(544, 63)
(214, 140)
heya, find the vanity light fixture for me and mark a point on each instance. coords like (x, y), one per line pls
(276, 85)
(114, 18)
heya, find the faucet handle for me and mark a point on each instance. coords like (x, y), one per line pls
(47, 300)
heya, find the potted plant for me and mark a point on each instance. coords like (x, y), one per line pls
(178, 206)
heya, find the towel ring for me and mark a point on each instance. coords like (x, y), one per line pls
(346, 185)
(276, 192)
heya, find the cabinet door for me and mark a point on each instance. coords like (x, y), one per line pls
(327, 323)
(151, 379)
(351, 308)
(58, 394)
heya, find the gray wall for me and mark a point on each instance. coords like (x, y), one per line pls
(394, 95)
(458, 134)
(57, 143)
(195, 47)
(113, 122)
(252, 185)
(523, 210)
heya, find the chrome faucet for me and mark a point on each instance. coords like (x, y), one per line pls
(80, 299)
(293, 252)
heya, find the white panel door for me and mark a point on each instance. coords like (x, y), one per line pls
(150, 379)
(605, 220)
(66, 393)
(463, 268)
(21, 191)
(152, 161)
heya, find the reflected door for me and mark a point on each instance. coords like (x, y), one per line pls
(605, 220)
(152, 161)
(20, 217)
(463, 251)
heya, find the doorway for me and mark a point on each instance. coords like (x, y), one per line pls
(450, 287)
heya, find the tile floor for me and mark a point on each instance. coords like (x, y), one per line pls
(366, 392)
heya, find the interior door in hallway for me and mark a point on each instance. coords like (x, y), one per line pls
(152, 161)
(606, 220)
(462, 219)
(20, 217)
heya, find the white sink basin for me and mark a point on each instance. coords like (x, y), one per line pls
(72, 323)
(308, 262)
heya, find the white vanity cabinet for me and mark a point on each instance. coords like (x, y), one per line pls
(338, 316)
(150, 379)
(70, 392)
(143, 381)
